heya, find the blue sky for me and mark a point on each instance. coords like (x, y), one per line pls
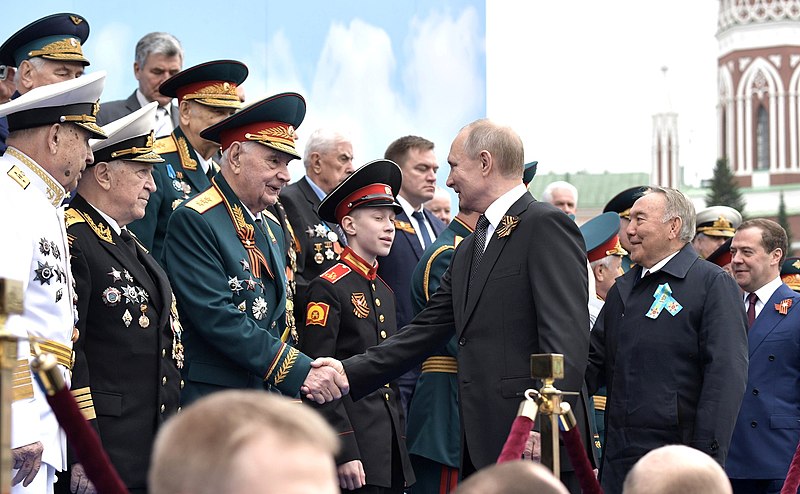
(375, 69)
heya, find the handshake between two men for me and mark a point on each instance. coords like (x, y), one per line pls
(326, 381)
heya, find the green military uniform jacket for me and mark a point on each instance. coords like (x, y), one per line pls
(433, 429)
(227, 274)
(179, 177)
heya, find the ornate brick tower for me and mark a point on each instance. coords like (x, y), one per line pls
(759, 84)
(665, 171)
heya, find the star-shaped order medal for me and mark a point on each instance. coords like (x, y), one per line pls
(320, 230)
(259, 308)
(235, 285)
(44, 273)
(115, 274)
(245, 265)
(131, 294)
(44, 246)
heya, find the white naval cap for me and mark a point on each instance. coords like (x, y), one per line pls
(130, 138)
(718, 221)
(74, 101)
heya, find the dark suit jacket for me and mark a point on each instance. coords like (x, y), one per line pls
(125, 367)
(768, 428)
(529, 295)
(675, 379)
(301, 203)
(114, 110)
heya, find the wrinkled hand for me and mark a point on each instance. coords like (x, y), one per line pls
(533, 447)
(27, 459)
(326, 381)
(79, 482)
(351, 475)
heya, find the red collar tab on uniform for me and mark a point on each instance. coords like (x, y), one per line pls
(359, 265)
(610, 247)
(362, 196)
(279, 134)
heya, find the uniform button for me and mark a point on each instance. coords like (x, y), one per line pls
(273, 324)
(383, 334)
(179, 409)
(373, 287)
(163, 408)
(386, 395)
(381, 318)
(164, 381)
(754, 424)
(714, 445)
(378, 302)
(462, 341)
(386, 385)
(771, 358)
(182, 383)
(163, 353)
(755, 391)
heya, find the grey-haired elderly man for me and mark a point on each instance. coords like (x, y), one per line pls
(159, 56)
(670, 343)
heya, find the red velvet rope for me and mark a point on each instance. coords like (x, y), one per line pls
(86, 444)
(580, 462)
(793, 477)
(515, 443)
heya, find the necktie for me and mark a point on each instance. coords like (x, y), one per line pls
(162, 122)
(128, 243)
(426, 237)
(751, 309)
(479, 238)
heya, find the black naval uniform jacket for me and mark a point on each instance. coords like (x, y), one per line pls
(124, 365)
(349, 310)
(319, 244)
(529, 295)
(673, 378)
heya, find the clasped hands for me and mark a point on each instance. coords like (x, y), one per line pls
(326, 381)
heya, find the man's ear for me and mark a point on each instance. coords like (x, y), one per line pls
(487, 162)
(55, 134)
(102, 174)
(348, 225)
(185, 112)
(25, 71)
(235, 157)
(316, 163)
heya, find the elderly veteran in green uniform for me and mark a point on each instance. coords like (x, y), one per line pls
(790, 273)
(206, 94)
(44, 52)
(226, 265)
(715, 225)
(605, 254)
(126, 375)
(622, 204)
(350, 308)
(48, 148)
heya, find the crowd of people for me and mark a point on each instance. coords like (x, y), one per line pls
(348, 331)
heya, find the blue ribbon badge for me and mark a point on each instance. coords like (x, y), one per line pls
(663, 299)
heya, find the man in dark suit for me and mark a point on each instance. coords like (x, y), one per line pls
(768, 428)
(669, 343)
(416, 227)
(227, 267)
(158, 57)
(207, 95)
(126, 376)
(328, 159)
(528, 294)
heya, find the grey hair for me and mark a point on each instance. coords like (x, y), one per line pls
(245, 145)
(160, 43)
(37, 62)
(605, 262)
(321, 141)
(502, 142)
(547, 194)
(677, 206)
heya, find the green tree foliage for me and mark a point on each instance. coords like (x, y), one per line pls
(724, 190)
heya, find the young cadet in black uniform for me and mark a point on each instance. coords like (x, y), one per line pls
(351, 309)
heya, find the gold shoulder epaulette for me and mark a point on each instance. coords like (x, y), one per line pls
(165, 144)
(204, 201)
(72, 217)
(19, 176)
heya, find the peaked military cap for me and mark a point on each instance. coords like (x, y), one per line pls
(130, 138)
(73, 101)
(718, 221)
(211, 83)
(55, 37)
(375, 184)
(790, 273)
(623, 202)
(271, 122)
(722, 256)
(530, 172)
(601, 235)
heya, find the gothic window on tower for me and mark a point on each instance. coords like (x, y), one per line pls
(762, 139)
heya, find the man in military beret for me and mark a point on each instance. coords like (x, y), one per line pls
(206, 94)
(45, 51)
(715, 225)
(126, 376)
(48, 148)
(621, 204)
(350, 308)
(328, 159)
(790, 273)
(227, 267)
